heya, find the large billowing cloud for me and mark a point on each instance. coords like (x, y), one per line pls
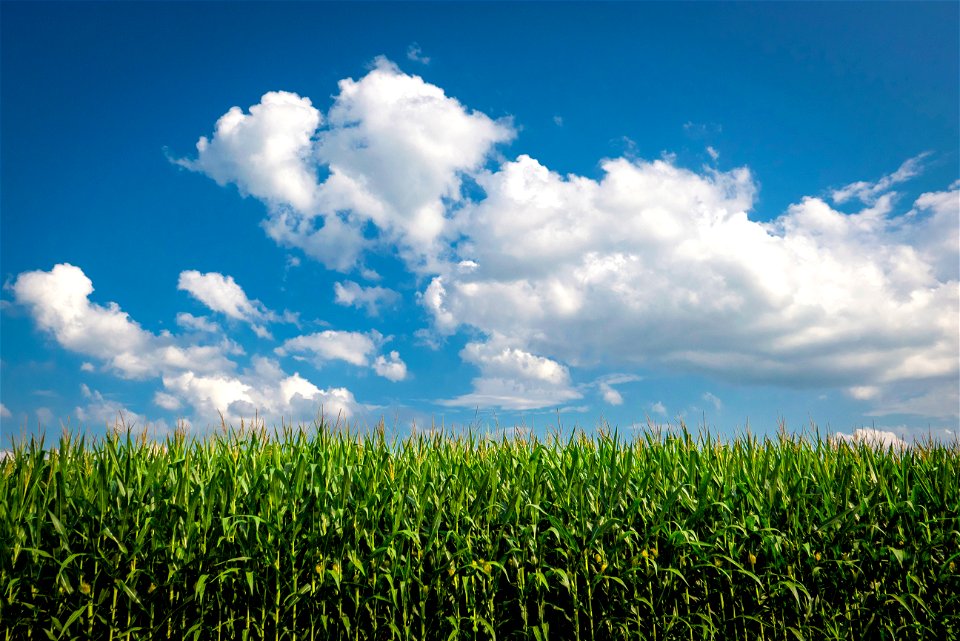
(392, 153)
(266, 153)
(650, 266)
(199, 376)
(656, 266)
(395, 149)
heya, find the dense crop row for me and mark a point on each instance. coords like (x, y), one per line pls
(327, 536)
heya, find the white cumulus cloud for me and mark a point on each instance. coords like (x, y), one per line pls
(512, 378)
(390, 367)
(266, 153)
(356, 348)
(396, 148)
(59, 302)
(872, 437)
(199, 376)
(672, 268)
(222, 294)
(393, 150)
(649, 265)
(930, 229)
(351, 294)
(353, 347)
(264, 389)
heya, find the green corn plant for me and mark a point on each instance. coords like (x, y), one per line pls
(329, 533)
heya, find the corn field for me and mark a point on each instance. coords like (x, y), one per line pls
(323, 534)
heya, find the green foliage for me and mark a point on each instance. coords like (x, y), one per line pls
(327, 535)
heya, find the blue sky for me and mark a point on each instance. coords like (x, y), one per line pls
(496, 213)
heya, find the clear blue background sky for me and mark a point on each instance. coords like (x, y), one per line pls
(100, 101)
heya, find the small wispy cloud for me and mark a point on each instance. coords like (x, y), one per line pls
(355, 348)
(351, 294)
(606, 383)
(869, 192)
(863, 392)
(197, 323)
(611, 395)
(701, 129)
(415, 53)
(222, 294)
(45, 416)
(713, 400)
